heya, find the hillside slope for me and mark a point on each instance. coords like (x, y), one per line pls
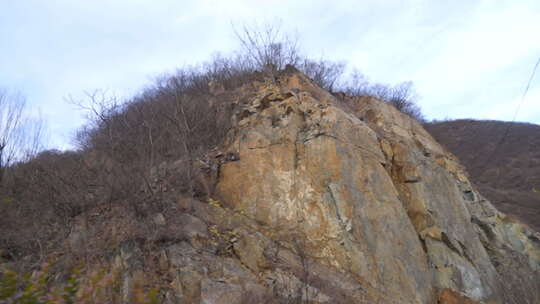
(506, 171)
(309, 199)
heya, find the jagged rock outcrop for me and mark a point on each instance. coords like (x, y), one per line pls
(338, 200)
(372, 193)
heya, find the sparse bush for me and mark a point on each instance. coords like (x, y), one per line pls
(324, 73)
(402, 96)
(39, 201)
(175, 120)
(268, 48)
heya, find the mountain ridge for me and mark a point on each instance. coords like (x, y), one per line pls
(503, 160)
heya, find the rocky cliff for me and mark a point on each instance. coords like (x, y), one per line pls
(324, 199)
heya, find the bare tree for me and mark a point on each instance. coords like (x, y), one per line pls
(99, 107)
(20, 135)
(268, 47)
(196, 123)
(119, 135)
(324, 73)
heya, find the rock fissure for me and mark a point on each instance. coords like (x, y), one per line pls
(266, 146)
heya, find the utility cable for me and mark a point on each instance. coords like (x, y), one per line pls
(503, 138)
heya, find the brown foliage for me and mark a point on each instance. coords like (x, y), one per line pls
(40, 199)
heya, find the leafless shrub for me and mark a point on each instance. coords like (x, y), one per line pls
(294, 283)
(39, 201)
(324, 73)
(20, 135)
(176, 120)
(268, 48)
(402, 96)
(114, 137)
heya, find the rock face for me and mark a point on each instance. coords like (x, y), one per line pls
(332, 200)
(371, 194)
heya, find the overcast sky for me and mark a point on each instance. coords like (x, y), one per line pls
(467, 58)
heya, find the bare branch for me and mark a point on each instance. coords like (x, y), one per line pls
(268, 48)
(20, 134)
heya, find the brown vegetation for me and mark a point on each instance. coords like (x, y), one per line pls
(20, 135)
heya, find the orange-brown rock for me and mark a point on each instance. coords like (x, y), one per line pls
(449, 296)
(373, 196)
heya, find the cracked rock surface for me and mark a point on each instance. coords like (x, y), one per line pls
(376, 198)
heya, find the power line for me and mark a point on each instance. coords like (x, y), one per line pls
(526, 89)
(503, 138)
